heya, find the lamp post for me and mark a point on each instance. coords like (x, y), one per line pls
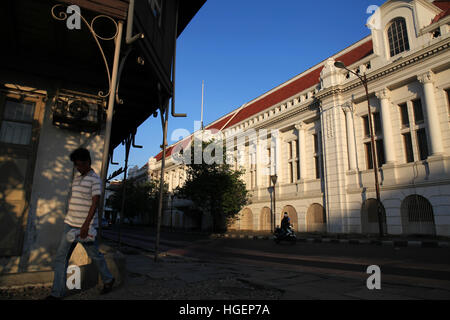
(273, 178)
(341, 65)
(270, 189)
(171, 211)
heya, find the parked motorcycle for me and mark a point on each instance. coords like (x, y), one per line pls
(285, 235)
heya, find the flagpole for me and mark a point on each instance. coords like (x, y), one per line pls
(201, 119)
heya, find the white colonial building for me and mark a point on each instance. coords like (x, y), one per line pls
(319, 143)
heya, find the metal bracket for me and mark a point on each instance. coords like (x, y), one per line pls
(119, 74)
(134, 145)
(62, 16)
(174, 114)
(111, 159)
(129, 39)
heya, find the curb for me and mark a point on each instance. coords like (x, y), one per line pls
(390, 243)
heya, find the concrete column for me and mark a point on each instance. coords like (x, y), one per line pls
(348, 110)
(432, 117)
(294, 145)
(301, 149)
(170, 181)
(388, 136)
(276, 152)
(259, 166)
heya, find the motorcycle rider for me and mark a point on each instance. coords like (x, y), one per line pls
(285, 223)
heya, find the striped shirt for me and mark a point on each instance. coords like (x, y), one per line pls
(83, 189)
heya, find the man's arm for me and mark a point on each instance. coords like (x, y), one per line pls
(85, 228)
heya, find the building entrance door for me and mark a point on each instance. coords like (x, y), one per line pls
(19, 126)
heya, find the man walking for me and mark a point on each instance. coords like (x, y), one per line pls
(81, 215)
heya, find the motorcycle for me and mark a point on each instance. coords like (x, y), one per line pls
(285, 235)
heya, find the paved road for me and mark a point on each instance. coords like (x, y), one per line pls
(315, 270)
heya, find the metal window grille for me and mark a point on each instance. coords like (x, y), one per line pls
(16, 125)
(419, 209)
(398, 37)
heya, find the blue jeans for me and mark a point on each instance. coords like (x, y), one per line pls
(61, 261)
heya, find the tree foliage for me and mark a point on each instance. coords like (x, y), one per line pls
(141, 200)
(216, 189)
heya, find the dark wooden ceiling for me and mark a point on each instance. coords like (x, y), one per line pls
(39, 51)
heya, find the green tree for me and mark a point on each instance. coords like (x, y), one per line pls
(215, 188)
(141, 200)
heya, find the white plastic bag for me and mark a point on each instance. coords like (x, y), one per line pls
(74, 234)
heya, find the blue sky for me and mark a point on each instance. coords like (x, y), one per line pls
(242, 49)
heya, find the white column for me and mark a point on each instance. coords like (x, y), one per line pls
(262, 160)
(388, 136)
(276, 154)
(301, 149)
(295, 151)
(171, 181)
(259, 166)
(432, 117)
(348, 110)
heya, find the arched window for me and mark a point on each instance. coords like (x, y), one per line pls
(369, 217)
(417, 215)
(398, 36)
(292, 213)
(264, 221)
(316, 220)
(246, 220)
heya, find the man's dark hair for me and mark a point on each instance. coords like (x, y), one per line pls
(80, 154)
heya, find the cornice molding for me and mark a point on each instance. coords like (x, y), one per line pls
(408, 61)
(314, 106)
(387, 70)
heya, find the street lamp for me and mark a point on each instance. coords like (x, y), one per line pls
(341, 65)
(273, 178)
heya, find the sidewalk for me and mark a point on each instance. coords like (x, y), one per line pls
(181, 278)
(388, 240)
(171, 278)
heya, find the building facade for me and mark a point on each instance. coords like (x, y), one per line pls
(57, 83)
(318, 142)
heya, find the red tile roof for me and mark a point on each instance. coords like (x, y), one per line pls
(306, 81)
(184, 143)
(300, 84)
(219, 124)
(445, 7)
(168, 153)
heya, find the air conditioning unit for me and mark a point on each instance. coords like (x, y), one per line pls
(78, 112)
